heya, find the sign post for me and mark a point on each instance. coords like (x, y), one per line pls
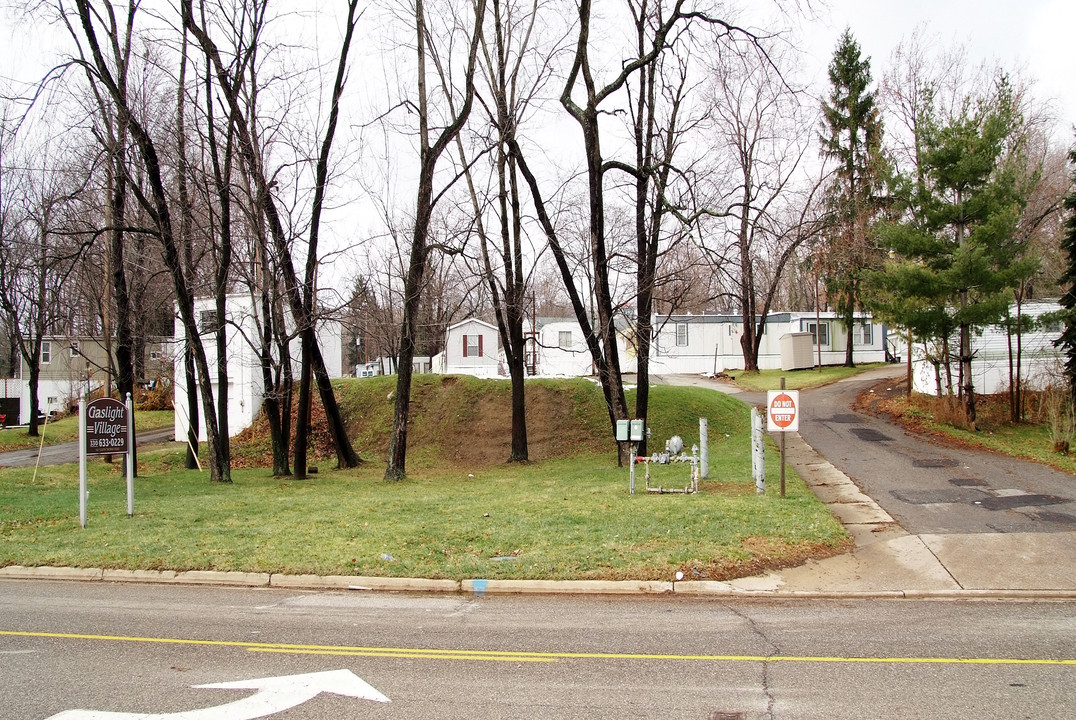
(81, 460)
(783, 416)
(104, 428)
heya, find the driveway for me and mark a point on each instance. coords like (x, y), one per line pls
(930, 519)
(931, 488)
(62, 453)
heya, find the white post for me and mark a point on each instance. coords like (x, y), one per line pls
(704, 448)
(82, 459)
(130, 456)
(758, 451)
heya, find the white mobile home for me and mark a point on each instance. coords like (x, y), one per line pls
(1040, 359)
(711, 343)
(560, 349)
(472, 347)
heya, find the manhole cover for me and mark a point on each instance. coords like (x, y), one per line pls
(935, 462)
(968, 482)
(869, 434)
(1008, 502)
(845, 418)
(930, 497)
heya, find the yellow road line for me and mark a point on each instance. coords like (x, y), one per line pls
(422, 654)
(523, 656)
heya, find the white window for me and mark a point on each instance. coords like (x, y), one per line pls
(52, 400)
(154, 355)
(863, 334)
(472, 346)
(74, 348)
(819, 333)
(564, 339)
(46, 352)
(681, 334)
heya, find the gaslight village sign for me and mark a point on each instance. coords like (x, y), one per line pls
(105, 427)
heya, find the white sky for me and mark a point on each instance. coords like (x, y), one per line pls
(1035, 35)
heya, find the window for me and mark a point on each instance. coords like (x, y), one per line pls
(818, 330)
(207, 321)
(681, 334)
(46, 352)
(863, 334)
(472, 346)
(154, 355)
(74, 348)
(564, 339)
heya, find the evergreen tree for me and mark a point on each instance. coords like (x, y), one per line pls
(852, 136)
(1068, 279)
(958, 245)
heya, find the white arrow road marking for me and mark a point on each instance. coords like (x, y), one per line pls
(274, 695)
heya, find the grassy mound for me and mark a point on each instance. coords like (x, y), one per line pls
(467, 422)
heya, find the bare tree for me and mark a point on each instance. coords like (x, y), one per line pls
(762, 210)
(514, 70)
(158, 204)
(299, 292)
(432, 144)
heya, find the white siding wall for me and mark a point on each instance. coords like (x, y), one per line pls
(1040, 360)
(245, 389)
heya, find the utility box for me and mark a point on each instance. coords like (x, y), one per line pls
(622, 430)
(797, 351)
(638, 430)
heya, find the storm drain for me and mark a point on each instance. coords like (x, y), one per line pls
(1008, 502)
(931, 497)
(968, 482)
(723, 715)
(935, 462)
(869, 434)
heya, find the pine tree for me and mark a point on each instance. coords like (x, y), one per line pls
(852, 136)
(1068, 279)
(958, 245)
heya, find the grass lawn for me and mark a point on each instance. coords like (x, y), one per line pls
(1031, 439)
(567, 516)
(764, 380)
(66, 430)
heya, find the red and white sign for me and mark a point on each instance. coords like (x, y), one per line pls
(782, 411)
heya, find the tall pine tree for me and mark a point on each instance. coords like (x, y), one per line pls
(852, 136)
(1068, 279)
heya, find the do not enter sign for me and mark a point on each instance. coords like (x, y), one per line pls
(783, 410)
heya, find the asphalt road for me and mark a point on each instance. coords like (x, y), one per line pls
(68, 452)
(930, 488)
(143, 649)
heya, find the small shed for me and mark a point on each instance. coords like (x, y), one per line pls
(797, 351)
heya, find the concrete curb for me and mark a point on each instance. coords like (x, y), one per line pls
(479, 587)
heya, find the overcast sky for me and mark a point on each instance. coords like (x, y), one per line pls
(1036, 35)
